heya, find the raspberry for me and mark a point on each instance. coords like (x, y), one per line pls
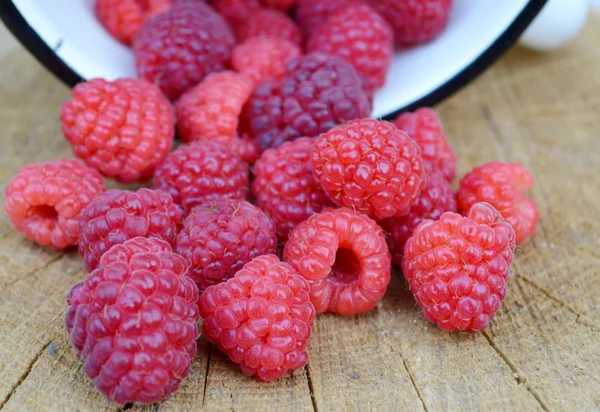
(212, 108)
(436, 198)
(369, 166)
(44, 201)
(457, 267)
(124, 129)
(201, 171)
(278, 4)
(221, 236)
(504, 186)
(261, 318)
(345, 259)
(362, 37)
(284, 186)
(311, 14)
(119, 215)
(425, 127)
(245, 148)
(134, 320)
(414, 21)
(179, 48)
(263, 58)
(270, 23)
(317, 93)
(236, 11)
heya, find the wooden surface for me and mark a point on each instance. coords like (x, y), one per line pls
(542, 351)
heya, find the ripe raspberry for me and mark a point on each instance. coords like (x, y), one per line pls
(425, 127)
(236, 11)
(221, 236)
(201, 171)
(44, 201)
(345, 259)
(245, 148)
(134, 320)
(457, 267)
(436, 198)
(119, 215)
(179, 48)
(369, 166)
(284, 186)
(360, 36)
(311, 14)
(211, 109)
(263, 58)
(504, 186)
(317, 93)
(261, 318)
(270, 23)
(278, 4)
(414, 21)
(124, 129)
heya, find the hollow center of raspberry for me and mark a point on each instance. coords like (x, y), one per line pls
(45, 212)
(346, 267)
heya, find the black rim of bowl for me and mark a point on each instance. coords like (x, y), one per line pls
(47, 56)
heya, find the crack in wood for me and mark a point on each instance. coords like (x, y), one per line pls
(210, 349)
(311, 388)
(34, 271)
(497, 136)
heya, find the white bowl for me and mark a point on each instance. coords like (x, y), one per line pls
(65, 36)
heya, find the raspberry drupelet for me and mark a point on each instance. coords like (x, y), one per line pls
(219, 237)
(245, 148)
(236, 11)
(44, 201)
(370, 166)
(270, 23)
(261, 318)
(134, 322)
(457, 267)
(116, 216)
(345, 259)
(311, 14)
(504, 186)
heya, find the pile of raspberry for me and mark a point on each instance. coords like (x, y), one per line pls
(284, 199)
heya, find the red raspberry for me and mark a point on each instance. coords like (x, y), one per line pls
(504, 186)
(278, 4)
(270, 23)
(44, 201)
(285, 188)
(211, 109)
(221, 236)
(261, 318)
(119, 215)
(134, 320)
(311, 14)
(263, 58)
(369, 166)
(414, 21)
(362, 37)
(245, 148)
(317, 93)
(179, 48)
(201, 171)
(425, 127)
(236, 11)
(436, 198)
(123, 128)
(457, 267)
(345, 259)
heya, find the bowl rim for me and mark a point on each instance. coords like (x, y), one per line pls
(47, 56)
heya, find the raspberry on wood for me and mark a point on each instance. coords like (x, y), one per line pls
(270, 23)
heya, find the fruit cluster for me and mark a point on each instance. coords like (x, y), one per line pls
(339, 196)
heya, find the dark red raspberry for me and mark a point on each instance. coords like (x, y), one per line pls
(278, 4)
(179, 48)
(425, 127)
(317, 93)
(436, 198)
(414, 21)
(201, 171)
(345, 259)
(119, 215)
(311, 14)
(221, 236)
(134, 321)
(123, 128)
(504, 186)
(261, 318)
(245, 148)
(44, 201)
(270, 23)
(457, 267)
(285, 188)
(263, 58)
(211, 109)
(236, 11)
(362, 37)
(369, 166)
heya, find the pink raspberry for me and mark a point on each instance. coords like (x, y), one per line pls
(236, 11)
(278, 4)
(270, 23)
(245, 148)
(310, 14)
